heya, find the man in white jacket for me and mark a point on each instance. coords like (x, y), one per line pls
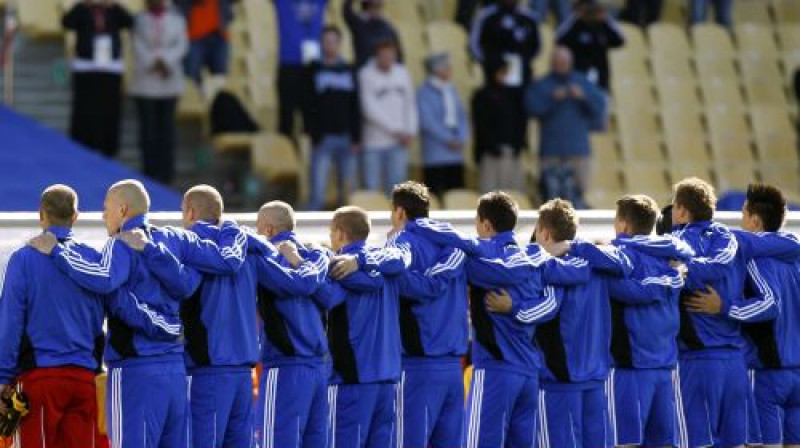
(389, 109)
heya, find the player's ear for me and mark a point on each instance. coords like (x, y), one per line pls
(74, 218)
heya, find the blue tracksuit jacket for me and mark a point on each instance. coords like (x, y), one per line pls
(298, 21)
(47, 320)
(293, 330)
(721, 262)
(576, 343)
(644, 308)
(363, 320)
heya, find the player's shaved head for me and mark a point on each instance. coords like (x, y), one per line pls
(206, 202)
(131, 194)
(353, 221)
(278, 214)
(59, 205)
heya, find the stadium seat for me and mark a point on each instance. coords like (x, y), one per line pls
(639, 137)
(39, 18)
(789, 37)
(684, 137)
(753, 39)
(734, 175)
(370, 200)
(724, 68)
(751, 11)
(668, 39)
(729, 134)
(776, 139)
(541, 65)
(460, 200)
(785, 177)
(712, 42)
(763, 82)
(648, 179)
(403, 11)
(522, 199)
(665, 67)
(681, 170)
(603, 199)
(415, 48)
(625, 63)
(785, 11)
(631, 94)
(604, 146)
(678, 94)
(191, 105)
(719, 91)
(605, 177)
(274, 157)
(449, 37)
(634, 40)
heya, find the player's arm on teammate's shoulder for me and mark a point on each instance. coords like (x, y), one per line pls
(606, 258)
(12, 316)
(763, 306)
(710, 267)
(434, 282)
(101, 272)
(541, 306)
(179, 280)
(784, 246)
(225, 256)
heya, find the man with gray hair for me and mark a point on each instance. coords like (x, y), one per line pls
(443, 126)
(293, 345)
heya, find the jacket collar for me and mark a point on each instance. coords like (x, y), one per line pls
(353, 248)
(137, 222)
(287, 235)
(504, 238)
(61, 233)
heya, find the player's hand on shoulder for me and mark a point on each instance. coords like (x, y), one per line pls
(560, 248)
(44, 243)
(343, 265)
(289, 251)
(707, 302)
(136, 239)
(499, 302)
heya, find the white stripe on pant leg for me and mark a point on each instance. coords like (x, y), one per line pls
(473, 398)
(611, 397)
(273, 406)
(400, 409)
(682, 430)
(475, 421)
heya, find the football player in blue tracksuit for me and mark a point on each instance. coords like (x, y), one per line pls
(502, 405)
(51, 332)
(645, 322)
(713, 377)
(147, 399)
(771, 315)
(293, 407)
(364, 340)
(575, 397)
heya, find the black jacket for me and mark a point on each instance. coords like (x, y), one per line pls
(589, 43)
(493, 110)
(499, 31)
(331, 104)
(81, 19)
(367, 33)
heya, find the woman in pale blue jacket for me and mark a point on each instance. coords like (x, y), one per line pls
(443, 127)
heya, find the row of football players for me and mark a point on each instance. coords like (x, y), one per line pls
(383, 362)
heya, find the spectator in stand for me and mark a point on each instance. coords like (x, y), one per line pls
(332, 117)
(509, 31)
(443, 126)
(465, 11)
(723, 11)
(159, 45)
(589, 33)
(97, 73)
(299, 28)
(566, 105)
(496, 153)
(797, 84)
(207, 22)
(389, 113)
(560, 9)
(642, 13)
(368, 28)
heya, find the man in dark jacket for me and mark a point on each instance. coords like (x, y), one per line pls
(332, 118)
(369, 27)
(493, 112)
(589, 33)
(97, 73)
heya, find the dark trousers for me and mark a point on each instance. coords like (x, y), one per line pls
(157, 137)
(290, 93)
(97, 111)
(441, 178)
(641, 12)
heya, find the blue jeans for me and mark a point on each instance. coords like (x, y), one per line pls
(561, 8)
(698, 10)
(332, 148)
(210, 51)
(387, 164)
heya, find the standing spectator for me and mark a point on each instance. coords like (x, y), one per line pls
(508, 31)
(207, 22)
(369, 28)
(299, 28)
(589, 33)
(559, 7)
(443, 126)
(159, 45)
(390, 118)
(332, 117)
(97, 73)
(465, 11)
(723, 11)
(796, 84)
(566, 104)
(496, 154)
(641, 12)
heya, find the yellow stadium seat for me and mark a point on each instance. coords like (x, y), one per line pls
(415, 49)
(623, 63)
(39, 18)
(649, 179)
(751, 11)
(726, 92)
(668, 39)
(716, 68)
(684, 137)
(789, 36)
(678, 94)
(756, 39)
(460, 200)
(639, 137)
(370, 200)
(712, 42)
(763, 82)
(449, 37)
(776, 139)
(634, 40)
(604, 146)
(729, 134)
(605, 177)
(541, 65)
(679, 170)
(521, 198)
(734, 176)
(602, 199)
(674, 11)
(631, 93)
(786, 11)
(403, 11)
(666, 67)
(785, 177)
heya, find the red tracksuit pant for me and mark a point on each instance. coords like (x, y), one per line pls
(63, 409)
